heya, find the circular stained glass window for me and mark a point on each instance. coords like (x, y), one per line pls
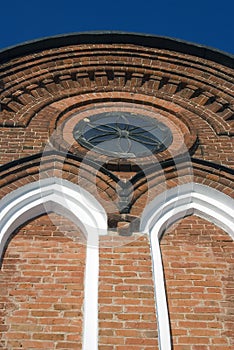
(123, 134)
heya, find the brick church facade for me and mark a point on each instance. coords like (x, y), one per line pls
(116, 194)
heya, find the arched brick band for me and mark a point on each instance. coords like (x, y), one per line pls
(75, 66)
(164, 210)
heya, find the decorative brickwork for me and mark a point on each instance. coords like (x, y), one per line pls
(60, 287)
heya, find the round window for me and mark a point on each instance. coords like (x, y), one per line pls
(123, 134)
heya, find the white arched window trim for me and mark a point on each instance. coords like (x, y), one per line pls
(165, 209)
(65, 198)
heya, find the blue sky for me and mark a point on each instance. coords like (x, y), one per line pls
(205, 22)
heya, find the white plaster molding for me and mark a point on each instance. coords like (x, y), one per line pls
(90, 334)
(170, 206)
(72, 201)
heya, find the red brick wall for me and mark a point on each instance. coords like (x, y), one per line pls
(41, 285)
(199, 270)
(42, 288)
(127, 318)
(42, 272)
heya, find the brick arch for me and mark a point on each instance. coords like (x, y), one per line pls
(168, 175)
(99, 182)
(192, 81)
(216, 110)
(168, 208)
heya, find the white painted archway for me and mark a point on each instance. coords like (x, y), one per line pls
(65, 198)
(168, 207)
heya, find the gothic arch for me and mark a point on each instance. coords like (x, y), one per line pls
(167, 208)
(65, 198)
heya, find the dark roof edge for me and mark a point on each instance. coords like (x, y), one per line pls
(110, 37)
